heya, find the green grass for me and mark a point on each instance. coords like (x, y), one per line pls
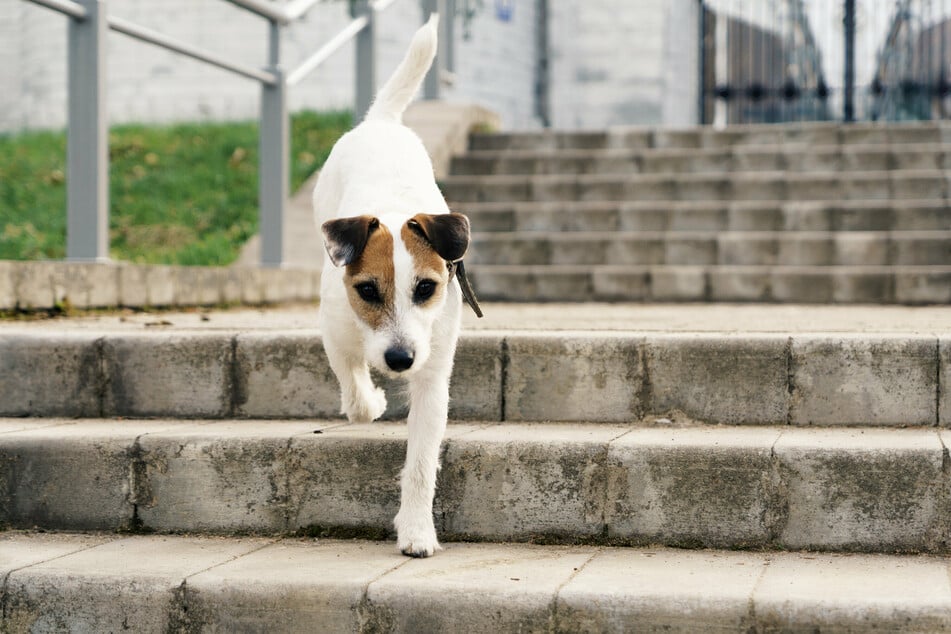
(180, 194)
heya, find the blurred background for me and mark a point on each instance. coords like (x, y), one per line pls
(567, 64)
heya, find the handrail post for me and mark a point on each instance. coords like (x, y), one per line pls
(365, 59)
(87, 148)
(273, 157)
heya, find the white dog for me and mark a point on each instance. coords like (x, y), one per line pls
(390, 296)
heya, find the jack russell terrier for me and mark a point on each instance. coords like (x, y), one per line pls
(393, 282)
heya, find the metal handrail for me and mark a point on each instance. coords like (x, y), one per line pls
(154, 37)
(324, 52)
(87, 162)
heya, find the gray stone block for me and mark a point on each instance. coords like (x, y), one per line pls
(679, 283)
(488, 592)
(805, 250)
(71, 477)
(919, 184)
(719, 379)
(923, 249)
(284, 375)
(520, 481)
(50, 375)
(867, 380)
(854, 593)
(739, 284)
(187, 375)
(290, 586)
(871, 490)
(85, 285)
(592, 378)
(161, 284)
(348, 476)
(614, 283)
(34, 285)
(923, 285)
(743, 249)
(218, 477)
(624, 590)
(692, 486)
(864, 186)
(860, 249)
(133, 285)
(197, 286)
(858, 285)
(475, 389)
(801, 285)
(689, 249)
(127, 584)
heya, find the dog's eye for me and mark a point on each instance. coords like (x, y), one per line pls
(424, 290)
(368, 292)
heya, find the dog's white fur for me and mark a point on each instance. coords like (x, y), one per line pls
(381, 168)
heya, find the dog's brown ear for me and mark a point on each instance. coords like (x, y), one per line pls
(345, 238)
(447, 233)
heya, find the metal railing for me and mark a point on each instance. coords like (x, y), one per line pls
(87, 226)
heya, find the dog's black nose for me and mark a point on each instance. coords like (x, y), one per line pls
(398, 359)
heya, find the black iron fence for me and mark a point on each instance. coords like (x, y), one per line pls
(793, 60)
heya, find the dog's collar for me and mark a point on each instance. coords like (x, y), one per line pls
(458, 269)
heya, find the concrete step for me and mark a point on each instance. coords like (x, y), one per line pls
(717, 283)
(108, 583)
(841, 489)
(793, 158)
(857, 215)
(708, 137)
(704, 248)
(762, 376)
(765, 186)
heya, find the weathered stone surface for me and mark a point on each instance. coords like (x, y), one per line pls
(34, 285)
(8, 291)
(863, 380)
(125, 584)
(586, 377)
(862, 489)
(490, 590)
(197, 286)
(348, 476)
(517, 481)
(187, 375)
(693, 486)
(133, 285)
(290, 586)
(660, 590)
(475, 389)
(217, 477)
(284, 375)
(856, 593)
(71, 476)
(50, 375)
(719, 379)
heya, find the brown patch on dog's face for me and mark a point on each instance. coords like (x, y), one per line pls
(371, 279)
(431, 273)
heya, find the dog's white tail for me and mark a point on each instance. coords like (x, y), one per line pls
(399, 89)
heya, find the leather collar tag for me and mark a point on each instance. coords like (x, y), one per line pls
(467, 293)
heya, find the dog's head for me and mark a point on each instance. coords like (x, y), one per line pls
(396, 277)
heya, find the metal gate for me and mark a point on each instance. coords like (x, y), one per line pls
(767, 61)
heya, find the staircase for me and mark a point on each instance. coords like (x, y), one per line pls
(740, 468)
(818, 213)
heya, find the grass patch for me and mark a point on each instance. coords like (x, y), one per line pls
(180, 194)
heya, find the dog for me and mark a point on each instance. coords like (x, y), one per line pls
(393, 281)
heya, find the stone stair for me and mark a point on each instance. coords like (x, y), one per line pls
(607, 468)
(820, 213)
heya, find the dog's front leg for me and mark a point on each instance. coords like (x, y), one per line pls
(429, 405)
(360, 400)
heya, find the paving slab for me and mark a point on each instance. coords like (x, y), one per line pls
(181, 583)
(125, 584)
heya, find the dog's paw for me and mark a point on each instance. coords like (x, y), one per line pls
(365, 407)
(416, 537)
